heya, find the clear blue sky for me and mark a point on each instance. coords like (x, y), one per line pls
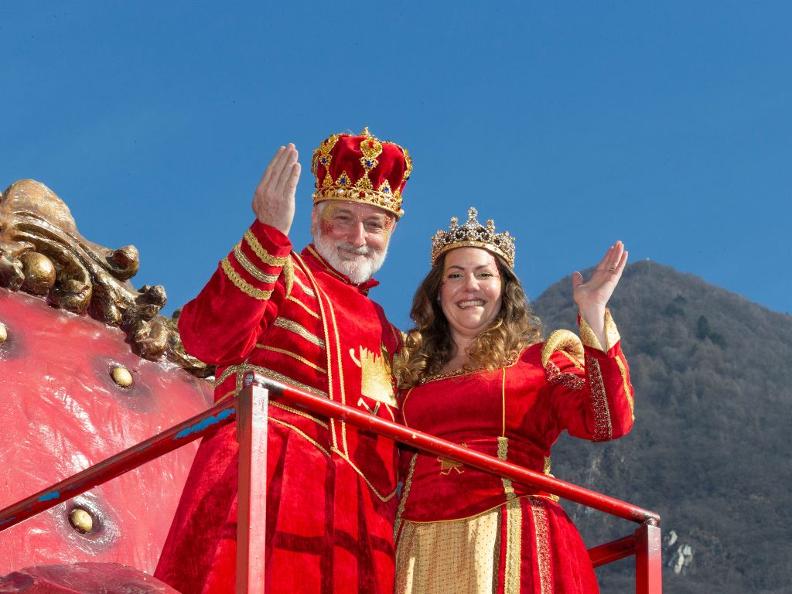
(666, 125)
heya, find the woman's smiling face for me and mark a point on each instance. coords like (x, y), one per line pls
(470, 294)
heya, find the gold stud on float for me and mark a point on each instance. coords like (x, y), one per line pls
(39, 273)
(121, 376)
(3, 333)
(81, 520)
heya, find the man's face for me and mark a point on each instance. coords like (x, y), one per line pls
(352, 237)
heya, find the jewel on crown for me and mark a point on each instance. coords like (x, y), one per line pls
(473, 234)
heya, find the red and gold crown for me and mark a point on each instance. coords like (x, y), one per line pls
(361, 169)
(473, 234)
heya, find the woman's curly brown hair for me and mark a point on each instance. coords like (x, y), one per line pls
(428, 345)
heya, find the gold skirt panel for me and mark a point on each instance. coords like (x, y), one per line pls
(449, 557)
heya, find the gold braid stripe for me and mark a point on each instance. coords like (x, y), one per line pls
(243, 368)
(603, 429)
(293, 326)
(241, 284)
(263, 254)
(340, 368)
(299, 358)
(404, 496)
(503, 453)
(309, 275)
(307, 290)
(288, 275)
(307, 309)
(383, 498)
(548, 466)
(513, 547)
(513, 527)
(299, 413)
(542, 533)
(251, 268)
(627, 387)
(301, 434)
(276, 404)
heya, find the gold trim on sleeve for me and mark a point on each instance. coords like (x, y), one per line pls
(295, 356)
(288, 275)
(298, 329)
(251, 268)
(612, 335)
(587, 336)
(241, 284)
(603, 429)
(565, 341)
(590, 339)
(568, 380)
(626, 383)
(263, 254)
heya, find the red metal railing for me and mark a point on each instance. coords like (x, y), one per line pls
(251, 410)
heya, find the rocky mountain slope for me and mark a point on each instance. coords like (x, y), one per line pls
(712, 443)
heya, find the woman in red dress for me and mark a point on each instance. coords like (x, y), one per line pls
(476, 373)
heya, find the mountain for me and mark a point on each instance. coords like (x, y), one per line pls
(712, 443)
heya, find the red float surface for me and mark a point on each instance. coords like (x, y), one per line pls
(60, 412)
(82, 578)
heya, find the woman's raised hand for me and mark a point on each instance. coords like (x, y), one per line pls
(592, 295)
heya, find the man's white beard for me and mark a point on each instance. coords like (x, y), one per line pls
(357, 264)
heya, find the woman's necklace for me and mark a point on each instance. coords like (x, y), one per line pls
(447, 374)
(465, 370)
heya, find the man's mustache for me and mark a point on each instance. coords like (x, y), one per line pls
(363, 250)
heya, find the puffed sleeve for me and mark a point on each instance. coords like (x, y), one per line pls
(222, 324)
(591, 393)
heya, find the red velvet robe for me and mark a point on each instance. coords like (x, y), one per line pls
(515, 413)
(330, 487)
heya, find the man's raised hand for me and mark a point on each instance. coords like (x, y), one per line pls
(273, 201)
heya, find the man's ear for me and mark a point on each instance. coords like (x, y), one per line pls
(315, 219)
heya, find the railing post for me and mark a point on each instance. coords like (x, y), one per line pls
(252, 404)
(648, 559)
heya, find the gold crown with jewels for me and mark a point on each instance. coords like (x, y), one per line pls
(473, 234)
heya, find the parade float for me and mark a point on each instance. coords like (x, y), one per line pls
(101, 410)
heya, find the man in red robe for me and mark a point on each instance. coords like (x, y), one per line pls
(305, 320)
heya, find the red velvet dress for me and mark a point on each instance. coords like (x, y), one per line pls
(462, 530)
(330, 487)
